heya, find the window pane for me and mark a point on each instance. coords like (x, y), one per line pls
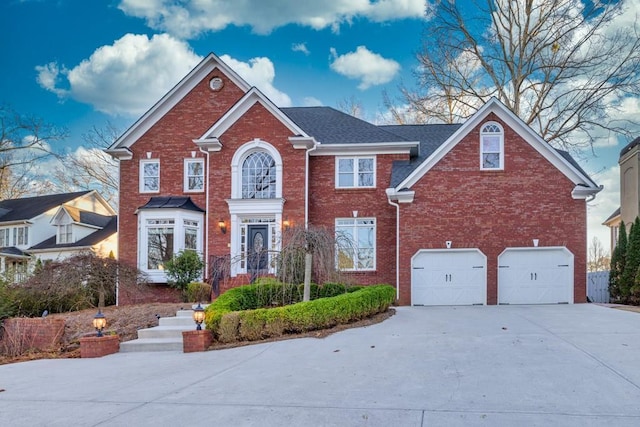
(345, 165)
(196, 183)
(191, 238)
(491, 144)
(365, 179)
(259, 176)
(151, 169)
(345, 180)
(491, 161)
(365, 165)
(159, 246)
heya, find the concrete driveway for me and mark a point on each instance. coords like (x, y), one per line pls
(568, 365)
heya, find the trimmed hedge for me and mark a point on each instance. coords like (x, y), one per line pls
(237, 315)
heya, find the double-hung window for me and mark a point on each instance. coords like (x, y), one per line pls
(4, 238)
(65, 233)
(21, 236)
(356, 244)
(150, 176)
(194, 175)
(159, 242)
(355, 172)
(491, 147)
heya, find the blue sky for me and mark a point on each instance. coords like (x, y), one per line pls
(80, 63)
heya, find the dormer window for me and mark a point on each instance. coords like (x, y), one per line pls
(21, 236)
(65, 233)
(491, 147)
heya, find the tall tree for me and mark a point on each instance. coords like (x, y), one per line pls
(89, 167)
(562, 66)
(618, 257)
(632, 260)
(25, 141)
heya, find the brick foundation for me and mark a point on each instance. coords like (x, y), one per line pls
(95, 346)
(195, 340)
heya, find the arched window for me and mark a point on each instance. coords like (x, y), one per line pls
(259, 176)
(491, 147)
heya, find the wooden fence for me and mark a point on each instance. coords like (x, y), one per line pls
(598, 286)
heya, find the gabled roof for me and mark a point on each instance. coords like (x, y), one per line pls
(12, 251)
(585, 187)
(161, 202)
(110, 228)
(30, 207)
(614, 215)
(86, 217)
(167, 102)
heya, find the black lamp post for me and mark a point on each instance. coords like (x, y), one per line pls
(198, 316)
(99, 322)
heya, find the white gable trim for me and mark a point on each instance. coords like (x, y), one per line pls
(515, 123)
(372, 148)
(249, 99)
(175, 95)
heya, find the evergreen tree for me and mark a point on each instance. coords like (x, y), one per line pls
(617, 263)
(632, 261)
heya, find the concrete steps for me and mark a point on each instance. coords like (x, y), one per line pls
(167, 336)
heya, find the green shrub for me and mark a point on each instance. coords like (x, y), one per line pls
(329, 290)
(198, 292)
(253, 322)
(183, 269)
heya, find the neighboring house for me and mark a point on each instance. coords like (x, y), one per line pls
(483, 212)
(54, 227)
(629, 209)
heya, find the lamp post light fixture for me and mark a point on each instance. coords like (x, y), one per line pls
(99, 322)
(223, 226)
(198, 316)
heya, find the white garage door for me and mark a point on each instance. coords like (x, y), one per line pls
(535, 276)
(448, 277)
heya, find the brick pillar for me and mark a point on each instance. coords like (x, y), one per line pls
(196, 340)
(95, 346)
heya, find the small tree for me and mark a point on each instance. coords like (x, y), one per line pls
(618, 258)
(632, 261)
(183, 269)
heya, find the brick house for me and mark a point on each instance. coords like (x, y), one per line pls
(483, 212)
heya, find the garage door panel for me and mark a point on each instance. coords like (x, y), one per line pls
(535, 276)
(448, 277)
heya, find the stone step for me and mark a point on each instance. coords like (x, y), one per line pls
(165, 331)
(177, 321)
(151, 344)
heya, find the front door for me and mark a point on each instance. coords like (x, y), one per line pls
(257, 250)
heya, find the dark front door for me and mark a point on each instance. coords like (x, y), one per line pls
(257, 250)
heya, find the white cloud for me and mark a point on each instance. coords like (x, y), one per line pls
(310, 101)
(300, 47)
(188, 19)
(368, 67)
(605, 203)
(259, 72)
(127, 77)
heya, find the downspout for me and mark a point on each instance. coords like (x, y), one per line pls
(206, 218)
(397, 247)
(306, 185)
(118, 241)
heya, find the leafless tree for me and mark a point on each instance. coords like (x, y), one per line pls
(351, 106)
(25, 141)
(598, 257)
(565, 67)
(89, 167)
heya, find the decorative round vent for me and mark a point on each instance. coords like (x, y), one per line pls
(216, 84)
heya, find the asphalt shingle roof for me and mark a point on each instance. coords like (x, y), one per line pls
(30, 207)
(171, 202)
(94, 238)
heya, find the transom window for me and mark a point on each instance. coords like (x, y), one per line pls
(259, 176)
(356, 244)
(491, 147)
(355, 172)
(150, 176)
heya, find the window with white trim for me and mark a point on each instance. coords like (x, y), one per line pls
(163, 234)
(491, 147)
(259, 176)
(194, 175)
(150, 176)
(21, 236)
(356, 244)
(65, 233)
(355, 172)
(4, 238)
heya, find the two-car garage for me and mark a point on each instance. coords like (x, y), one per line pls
(533, 275)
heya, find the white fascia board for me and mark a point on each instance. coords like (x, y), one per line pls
(514, 122)
(582, 192)
(402, 147)
(241, 107)
(209, 145)
(302, 142)
(120, 153)
(175, 95)
(405, 196)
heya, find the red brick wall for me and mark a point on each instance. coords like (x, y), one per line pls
(21, 334)
(493, 210)
(329, 203)
(170, 140)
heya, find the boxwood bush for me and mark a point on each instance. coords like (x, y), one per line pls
(245, 314)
